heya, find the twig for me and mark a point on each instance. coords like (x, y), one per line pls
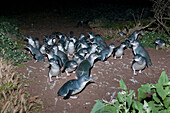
(163, 25)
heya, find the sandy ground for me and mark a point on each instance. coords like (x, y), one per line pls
(108, 73)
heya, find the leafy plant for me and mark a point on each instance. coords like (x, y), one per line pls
(149, 37)
(9, 47)
(127, 102)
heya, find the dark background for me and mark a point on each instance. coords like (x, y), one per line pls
(17, 7)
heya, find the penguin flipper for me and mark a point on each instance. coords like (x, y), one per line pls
(68, 94)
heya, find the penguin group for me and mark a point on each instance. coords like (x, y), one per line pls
(69, 54)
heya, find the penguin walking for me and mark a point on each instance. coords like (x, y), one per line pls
(119, 50)
(134, 36)
(31, 41)
(69, 67)
(36, 53)
(55, 69)
(106, 53)
(73, 87)
(159, 43)
(138, 64)
(85, 66)
(139, 49)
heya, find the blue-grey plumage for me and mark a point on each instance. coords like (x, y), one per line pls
(30, 41)
(139, 49)
(106, 52)
(118, 52)
(92, 49)
(50, 54)
(51, 41)
(82, 51)
(37, 43)
(85, 66)
(73, 86)
(61, 54)
(43, 48)
(70, 48)
(69, 67)
(159, 43)
(36, 53)
(78, 58)
(138, 64)
(55, 69)
(121, 34)
(134, 36)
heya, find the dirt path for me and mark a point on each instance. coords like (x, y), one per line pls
(108, 73)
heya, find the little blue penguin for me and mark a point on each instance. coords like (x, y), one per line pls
(121, 34)
(54, 69)
(119, 50)
(159, 43)
(30, 41)
(138, 64)
(134, 36)
(85, 66)
(70, 48)
(106, 52)
(37, 43)
(69, 67)
(36, 53)
(139, 49)
(73, 87)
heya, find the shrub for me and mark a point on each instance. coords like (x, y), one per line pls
(13, 95)
(127, 102)
(9, 47)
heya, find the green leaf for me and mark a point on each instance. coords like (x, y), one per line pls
(156, 99)
(109, 109)
(152, 107)
(120, 97)
(161, 92)
(98, 106)
(129, 101)
(141, 95)
(122, 84)
(146, 88)
(138, 106)
(167, 102)
(163, 79)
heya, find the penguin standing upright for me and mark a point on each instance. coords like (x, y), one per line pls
(139, 63)
(54, 69)
(69, 66)
(119, 50)
(70, 48)
(139, 49)
(73, 86)
(30, 41)
(159, 43)
(85, 66)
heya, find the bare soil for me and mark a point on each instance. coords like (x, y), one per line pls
(108, 73)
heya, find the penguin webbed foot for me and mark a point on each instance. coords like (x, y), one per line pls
(68, 94)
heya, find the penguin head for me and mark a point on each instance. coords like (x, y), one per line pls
(135, 43)
(112, 46)
(136, 33)
(123, 44)
(137, 57)
(74, 64)
(28, 37)
(85, 79)
(95, 55)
